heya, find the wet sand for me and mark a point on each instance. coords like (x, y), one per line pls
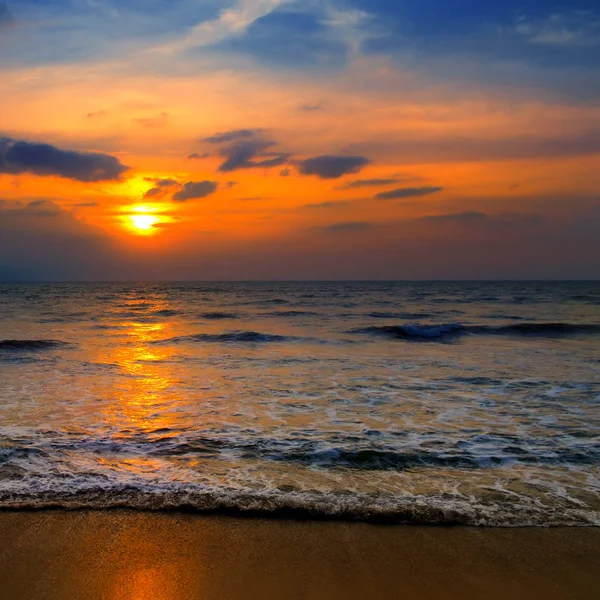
(149, 556)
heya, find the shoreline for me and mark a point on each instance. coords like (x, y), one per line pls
(128, 554)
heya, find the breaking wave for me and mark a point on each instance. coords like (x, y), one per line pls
(288, 502)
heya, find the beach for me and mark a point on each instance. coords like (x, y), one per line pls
(178, 556)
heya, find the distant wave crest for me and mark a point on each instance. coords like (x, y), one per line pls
(450, 331)
(30, 345)
(232, 336)
(217, 315)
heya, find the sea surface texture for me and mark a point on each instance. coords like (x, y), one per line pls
(474, 403)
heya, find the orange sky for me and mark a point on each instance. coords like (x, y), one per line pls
(479, 165)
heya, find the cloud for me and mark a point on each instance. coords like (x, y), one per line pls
(285, 172)
(232, 136)
(194, 155)
(573, 28)
(332, 167)
(408, 193)
(195, 189)
(457, 217)
(161, 182)
(18, 156)
(241, 155)
(361, 183)
(160, 186)
(348, 227)
(240, 148)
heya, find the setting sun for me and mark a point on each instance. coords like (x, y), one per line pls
(143, 223)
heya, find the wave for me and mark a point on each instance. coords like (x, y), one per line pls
(392, 315)
(216, 315)
(30, 345)
(232, 336)
(414, 332)
(347, 452)
(288, 502)
(264, 302)
(291, 313)
(167, 312)
(451, 331)
(61, 470)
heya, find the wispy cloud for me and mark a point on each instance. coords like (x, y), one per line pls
(362, 183)
(408, 193)
(246, 149)
(332, 167)
(573, 28)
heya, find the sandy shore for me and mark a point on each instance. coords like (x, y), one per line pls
(144, 556)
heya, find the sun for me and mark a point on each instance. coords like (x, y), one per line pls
(143, 219)
(143, 223)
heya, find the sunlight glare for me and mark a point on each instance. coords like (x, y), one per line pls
(143, 223)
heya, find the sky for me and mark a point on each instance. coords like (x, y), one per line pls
(313, 139)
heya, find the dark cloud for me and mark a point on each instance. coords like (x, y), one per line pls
(232, 136)
(160, 186)
(362, 183)
(85, 204)
(194, 155)
(241, 148)
(332, 167)
(463, 216)
(408, 193)
(241, 155)
(17, 156)
(348, 227)
(162, 182)
(195, 189)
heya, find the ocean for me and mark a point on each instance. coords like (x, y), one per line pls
(409, 402)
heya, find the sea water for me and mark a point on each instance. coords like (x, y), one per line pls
(424, 402)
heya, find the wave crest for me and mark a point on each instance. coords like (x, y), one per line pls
(449, 331)
(30, 345)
